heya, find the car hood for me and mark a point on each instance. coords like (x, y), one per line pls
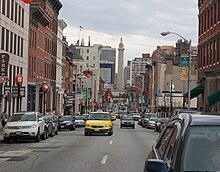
(64, 122)
(127, 120)
(21, 123)
(79, 120)
(97, 122)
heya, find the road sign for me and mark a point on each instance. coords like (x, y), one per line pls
(4, 60)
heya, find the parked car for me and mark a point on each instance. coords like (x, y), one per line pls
(127, 121)
(160, 124)
(24, 125)
(145, 118)
(188, 142)
(151, 122)
(51, 125)
(178, 111)
(79, 121)
(66, 122)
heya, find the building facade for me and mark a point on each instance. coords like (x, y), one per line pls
(107, 64)
(91, 63)
(14, 26)
(209, 54)
(42, 55)
(138, 66)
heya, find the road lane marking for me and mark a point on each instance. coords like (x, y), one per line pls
(110, 142)
(104, 159)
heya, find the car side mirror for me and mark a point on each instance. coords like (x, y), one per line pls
(156, 165)
(40, 119)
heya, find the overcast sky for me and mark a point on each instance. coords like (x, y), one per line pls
(138, 22)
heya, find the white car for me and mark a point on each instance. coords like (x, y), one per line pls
(24, 125)
(79, 121)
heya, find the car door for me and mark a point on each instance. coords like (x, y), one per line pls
(41, 123)
(167, 146)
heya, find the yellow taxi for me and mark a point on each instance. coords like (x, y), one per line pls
(99, 122)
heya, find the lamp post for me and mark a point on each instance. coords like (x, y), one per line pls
(189, 64)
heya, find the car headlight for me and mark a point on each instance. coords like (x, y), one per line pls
(87, 125)
(34, 126)
(107, 125)
(68, 123)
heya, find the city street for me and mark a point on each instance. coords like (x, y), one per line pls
(71, 151)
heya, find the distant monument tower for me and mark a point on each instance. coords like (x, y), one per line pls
(120, 76)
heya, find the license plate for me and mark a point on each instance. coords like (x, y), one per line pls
(18, 132)
(96, 129)
(62, 126)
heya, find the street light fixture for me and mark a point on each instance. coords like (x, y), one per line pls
(189, 64)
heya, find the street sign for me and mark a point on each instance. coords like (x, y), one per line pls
(4, 60)
(70, 99)
(22, 91)
(14, 91)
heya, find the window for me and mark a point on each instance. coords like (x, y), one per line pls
(87, 58)
(87, 50)
(12, 10)
(11, 42)
(3, 7)
(7, 39)
(162, 144)
(3, 39)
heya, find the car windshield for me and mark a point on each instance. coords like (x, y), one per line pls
(202, 150)
(148, 115)
(153, 119)
(127, 118)
(23, 117)
(79, 117)
(66, 118)
(99, 116)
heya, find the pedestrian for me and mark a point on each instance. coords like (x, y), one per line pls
(4, 116)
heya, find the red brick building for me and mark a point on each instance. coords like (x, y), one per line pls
(42, 54)
(208, 54)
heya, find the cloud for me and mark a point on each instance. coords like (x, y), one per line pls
(139, 22)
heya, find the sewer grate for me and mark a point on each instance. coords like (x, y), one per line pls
(18, 158)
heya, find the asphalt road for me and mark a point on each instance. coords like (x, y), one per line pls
(71, 151)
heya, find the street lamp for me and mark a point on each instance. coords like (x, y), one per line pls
(189, 64)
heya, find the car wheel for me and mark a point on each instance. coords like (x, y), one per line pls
(43, 136)
(37, 138)
(6, 140)
(56, 132)
(47, 134)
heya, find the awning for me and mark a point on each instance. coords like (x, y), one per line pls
(213, 98)
(195, 91)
